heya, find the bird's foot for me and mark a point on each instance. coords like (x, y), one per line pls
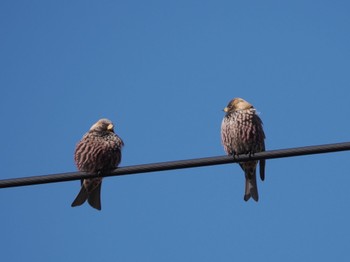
(250, 154)
(235, 156)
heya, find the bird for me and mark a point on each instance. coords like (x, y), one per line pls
(242, 133)
(98, 152)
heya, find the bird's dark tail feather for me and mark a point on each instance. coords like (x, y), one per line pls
(262, 164)
(81, 197)
(251, 188)
(94, 198)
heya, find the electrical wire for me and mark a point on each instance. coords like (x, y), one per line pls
(180, 164)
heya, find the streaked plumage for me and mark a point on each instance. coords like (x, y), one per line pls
(99, 151)
(242, 133)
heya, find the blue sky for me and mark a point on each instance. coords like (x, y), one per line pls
(162, 71)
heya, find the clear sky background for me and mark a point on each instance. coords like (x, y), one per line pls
(162, 71)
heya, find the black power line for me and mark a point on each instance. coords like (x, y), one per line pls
(162, 166)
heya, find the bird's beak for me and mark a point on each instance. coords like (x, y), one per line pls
(110, 127)
(226, 109)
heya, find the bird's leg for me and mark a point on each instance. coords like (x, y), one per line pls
(234, 154)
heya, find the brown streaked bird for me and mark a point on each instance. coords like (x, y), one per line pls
(242, 133)
(99, 151)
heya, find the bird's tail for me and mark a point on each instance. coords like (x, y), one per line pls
(251, 188)
(94, 198)
(81, 197)
(90, 191)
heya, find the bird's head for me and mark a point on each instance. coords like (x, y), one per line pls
(237, 104)
(103, 125)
